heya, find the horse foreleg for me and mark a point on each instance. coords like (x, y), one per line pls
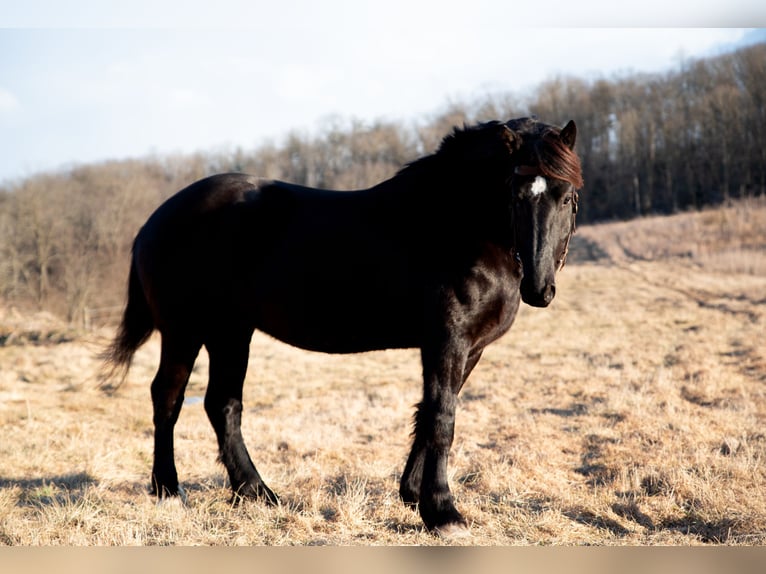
(443, 375)
(176, 361)
(223, 405)
(412, 477)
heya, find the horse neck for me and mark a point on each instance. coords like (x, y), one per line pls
(447, 204)
(421, 179)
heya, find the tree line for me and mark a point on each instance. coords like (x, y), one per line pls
(649, 143)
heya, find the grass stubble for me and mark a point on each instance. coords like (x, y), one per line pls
(630, 412)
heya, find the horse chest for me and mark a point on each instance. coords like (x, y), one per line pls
(496, 317)
(485, 303)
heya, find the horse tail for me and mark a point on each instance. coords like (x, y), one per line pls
(136, 326)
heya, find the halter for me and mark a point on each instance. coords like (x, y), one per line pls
(563, 259)
(531, 170)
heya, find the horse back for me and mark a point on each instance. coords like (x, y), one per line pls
(318, 269)
(323, 270)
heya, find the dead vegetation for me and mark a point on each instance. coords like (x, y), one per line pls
(631, 412)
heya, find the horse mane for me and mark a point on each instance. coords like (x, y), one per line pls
(538, 144)
(554, 158)
(467, 143)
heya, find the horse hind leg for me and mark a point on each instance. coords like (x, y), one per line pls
(223, 405)
(176, 362)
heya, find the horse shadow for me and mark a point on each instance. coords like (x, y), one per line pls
(72, 488)
(51, 490)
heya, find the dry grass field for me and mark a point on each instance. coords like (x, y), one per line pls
(630, 412)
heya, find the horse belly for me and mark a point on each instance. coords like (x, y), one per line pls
(320, 308)
(337, 332)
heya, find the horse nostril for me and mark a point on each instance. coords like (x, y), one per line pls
(550, 293)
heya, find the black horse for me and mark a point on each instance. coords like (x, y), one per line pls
(435, 258)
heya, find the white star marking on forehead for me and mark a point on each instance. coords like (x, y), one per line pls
(539, 185)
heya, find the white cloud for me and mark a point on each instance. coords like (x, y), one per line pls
(8, 102)
(90, 94)
(188, 99)
(243, 13)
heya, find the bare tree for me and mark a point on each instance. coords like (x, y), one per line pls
(648, 143)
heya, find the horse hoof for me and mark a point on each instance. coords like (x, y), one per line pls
(178, 499)
(259, 492)
(453, 531)
(166, 495)
(264, 493)
(409, 498)
(270, 497)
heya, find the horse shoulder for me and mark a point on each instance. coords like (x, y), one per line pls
(482, 303)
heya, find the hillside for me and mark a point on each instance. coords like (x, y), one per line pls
(649, 144)
(630, 412)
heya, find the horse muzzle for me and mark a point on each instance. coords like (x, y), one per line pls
(537, 297)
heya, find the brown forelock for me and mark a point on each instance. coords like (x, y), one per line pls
(555, 159)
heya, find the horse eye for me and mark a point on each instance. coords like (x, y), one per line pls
(567, 199)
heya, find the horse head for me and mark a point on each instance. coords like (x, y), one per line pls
(544, 184)
(524, 176)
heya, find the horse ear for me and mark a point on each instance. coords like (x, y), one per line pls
(511, 139)
(569, 134)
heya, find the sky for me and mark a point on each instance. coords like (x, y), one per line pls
(86, 80)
